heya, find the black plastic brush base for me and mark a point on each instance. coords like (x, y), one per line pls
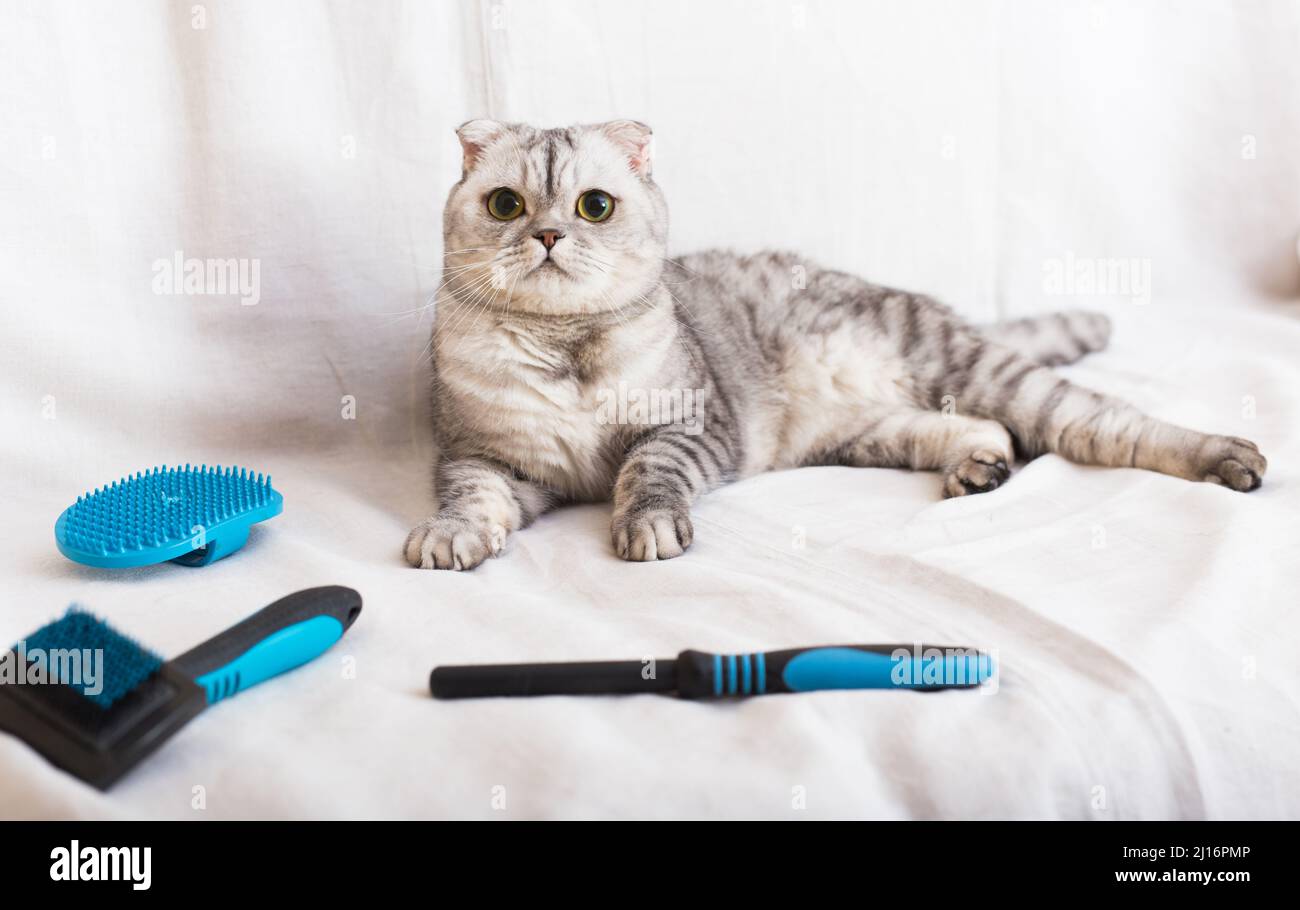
(100, 745)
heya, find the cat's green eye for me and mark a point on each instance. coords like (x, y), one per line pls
(595, 205)
(505, 205)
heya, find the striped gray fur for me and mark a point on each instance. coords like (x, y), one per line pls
(788, 364)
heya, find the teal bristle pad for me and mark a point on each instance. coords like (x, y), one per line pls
(126, 664)
(191, 515)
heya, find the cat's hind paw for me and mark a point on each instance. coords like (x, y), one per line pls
(1236, 463)
(979, 472)
(448, 542)
(644, 536)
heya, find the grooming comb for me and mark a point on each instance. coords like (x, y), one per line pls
(95, 703)
(695, 674)
(192, 516)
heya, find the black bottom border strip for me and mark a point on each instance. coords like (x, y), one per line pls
(213, 859)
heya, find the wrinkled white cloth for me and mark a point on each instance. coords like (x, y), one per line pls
(1145, 626)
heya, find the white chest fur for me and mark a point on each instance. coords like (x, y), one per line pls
(533, 398)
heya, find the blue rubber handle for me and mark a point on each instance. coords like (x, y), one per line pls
(856, 668)
(287, 634)
(918, 667)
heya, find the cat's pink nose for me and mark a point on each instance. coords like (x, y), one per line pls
(548, 236)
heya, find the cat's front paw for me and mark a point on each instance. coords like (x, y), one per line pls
(452, 542)
(644, 535)
(1235, 462)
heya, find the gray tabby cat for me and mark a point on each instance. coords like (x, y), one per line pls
(558, 303)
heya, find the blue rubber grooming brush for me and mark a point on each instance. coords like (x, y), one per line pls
(95, 703)
(192, 516)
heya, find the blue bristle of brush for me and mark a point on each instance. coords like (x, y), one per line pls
(161, 506)
(126, 663)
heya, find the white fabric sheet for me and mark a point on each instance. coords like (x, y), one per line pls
(1146, 626)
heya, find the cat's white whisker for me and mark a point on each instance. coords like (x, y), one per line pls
(475, 300)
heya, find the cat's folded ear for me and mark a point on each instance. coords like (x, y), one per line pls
(635, 139)
(475, 136)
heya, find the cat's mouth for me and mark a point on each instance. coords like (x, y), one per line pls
(550, 265)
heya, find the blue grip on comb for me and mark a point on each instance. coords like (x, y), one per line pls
(192, 516)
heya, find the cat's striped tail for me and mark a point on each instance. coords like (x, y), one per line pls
(1055, 339)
